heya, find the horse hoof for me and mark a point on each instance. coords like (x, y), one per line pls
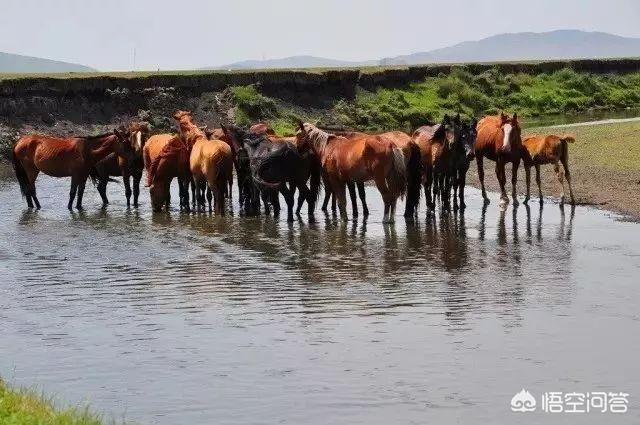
(515, 202)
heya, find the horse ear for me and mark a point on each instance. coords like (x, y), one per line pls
(300, 124)
(456, 119)
(515, 118)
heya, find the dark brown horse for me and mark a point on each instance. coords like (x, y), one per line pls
(433, 142)
(366, 159)
(73, 157)
(499, 140)
(116, 165)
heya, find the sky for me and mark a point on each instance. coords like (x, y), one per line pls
(188, 34)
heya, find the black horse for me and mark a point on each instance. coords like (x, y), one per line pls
(275, 166)
(462, 153)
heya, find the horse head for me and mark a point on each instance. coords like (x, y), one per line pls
(122, 146)
(468, 136)
(138, 135)
(510, 132)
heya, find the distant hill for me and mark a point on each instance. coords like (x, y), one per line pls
(11, 63)
(561, 44)
(295, 62)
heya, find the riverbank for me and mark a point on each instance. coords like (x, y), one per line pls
(25, 407)
(370, 99)
(604, 162)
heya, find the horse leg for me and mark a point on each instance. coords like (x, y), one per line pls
(461, 184)
(81, 185)
(454, 184)
(514, 180)
(479, 163)
(541, 200)
(72, 192)
(351, 186)
(275, 201)
(209, 198)
(527, 177)
(560, 175)
(428, 174)
(266, 201)
(363, 198)
(339, 192)
(102, 190)
(289, 199)
(567, 175)
(136, 189)
(502, 180)
(127, 188)
(381, 184)
(305, 193)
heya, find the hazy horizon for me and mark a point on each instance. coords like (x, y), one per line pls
(104, 34)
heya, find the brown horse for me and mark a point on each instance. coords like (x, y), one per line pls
(211, 161)
(74, 157)
(411, 153)
(433, 142)
(499, 140)
(551, 149)
(364, 159)
(166, 156)
(116, 165)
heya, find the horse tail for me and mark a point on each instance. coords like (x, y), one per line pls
(21, 174)
(414, 176)
(397, 176)
(564, 143)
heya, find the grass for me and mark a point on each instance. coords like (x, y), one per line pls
(614, 147)
(561, 92)
(25, 407)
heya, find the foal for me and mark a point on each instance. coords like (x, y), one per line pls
(551, 149)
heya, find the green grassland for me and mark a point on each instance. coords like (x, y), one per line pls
(25, 407)
(561, 92)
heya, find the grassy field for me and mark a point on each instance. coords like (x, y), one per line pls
(25, 407)
(561, 92)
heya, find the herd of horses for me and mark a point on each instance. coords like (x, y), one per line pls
(434, 159)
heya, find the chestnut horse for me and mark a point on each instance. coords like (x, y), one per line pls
(166, 156)
(499, 140)
(210, 161)
(551, 149)
(362, 160)
(115, 165)
(411, 153)
(433, 142)
(74, 157)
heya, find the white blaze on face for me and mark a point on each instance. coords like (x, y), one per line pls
(506, 142)
(138, 143)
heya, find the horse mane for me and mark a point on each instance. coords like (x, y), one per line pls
(317, 137)
(173, 147)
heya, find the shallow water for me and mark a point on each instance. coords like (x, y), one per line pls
(169, 319)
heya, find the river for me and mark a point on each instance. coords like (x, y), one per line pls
(198, 319)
